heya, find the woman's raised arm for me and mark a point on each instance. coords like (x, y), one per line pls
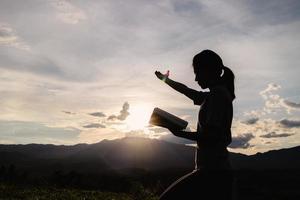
(197, 96)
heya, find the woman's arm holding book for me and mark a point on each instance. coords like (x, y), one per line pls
(196, 136)
(184, 134)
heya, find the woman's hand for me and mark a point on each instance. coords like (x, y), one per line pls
(159, 75)
(176, 132)
(187, 135)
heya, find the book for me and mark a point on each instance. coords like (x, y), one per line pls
(165, 119)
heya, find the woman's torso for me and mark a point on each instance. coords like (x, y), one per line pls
(216, 112)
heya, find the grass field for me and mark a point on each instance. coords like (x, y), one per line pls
(12, 192)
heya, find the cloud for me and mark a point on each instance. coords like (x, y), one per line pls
(31, 63)
(9, 37)
(254, 113)
(94, 125)
(136, 133)
(273, 101)
(251, 120)
(242, 141)
(68, 13)
(291, 105)
(28, 132)
(111, 117)
(263, 128)
(68, 112)
(157, 129)
(269, 90)
(276, 135)
(290, 123)
(123, 113)
(97, 114)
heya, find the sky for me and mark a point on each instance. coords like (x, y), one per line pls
(82, 71)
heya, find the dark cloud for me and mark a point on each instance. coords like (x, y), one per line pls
(241, 141)
(97, 114)
(68, 112)
(275, 135)
(112, 117)
(187, 8)
(274, 12)
(291, 104)
(94, 125)
(123, 113)
(290, 123)
(251, 121)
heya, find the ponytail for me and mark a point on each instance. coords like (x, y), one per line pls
(228, 80)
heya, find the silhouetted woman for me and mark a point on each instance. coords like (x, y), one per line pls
(212, 176)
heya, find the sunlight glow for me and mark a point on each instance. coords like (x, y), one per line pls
(139, 116)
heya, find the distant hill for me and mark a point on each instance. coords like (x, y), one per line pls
(283, 159)
(131, 152)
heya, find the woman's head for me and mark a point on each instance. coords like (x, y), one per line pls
(208, 68)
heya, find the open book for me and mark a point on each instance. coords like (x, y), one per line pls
(164, 119)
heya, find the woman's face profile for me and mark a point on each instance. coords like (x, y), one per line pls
(203, 78)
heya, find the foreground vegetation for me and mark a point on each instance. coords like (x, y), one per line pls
(14, 192)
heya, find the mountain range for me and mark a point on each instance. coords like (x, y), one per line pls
(135, 153)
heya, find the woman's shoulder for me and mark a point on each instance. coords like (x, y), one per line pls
(220, 92)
